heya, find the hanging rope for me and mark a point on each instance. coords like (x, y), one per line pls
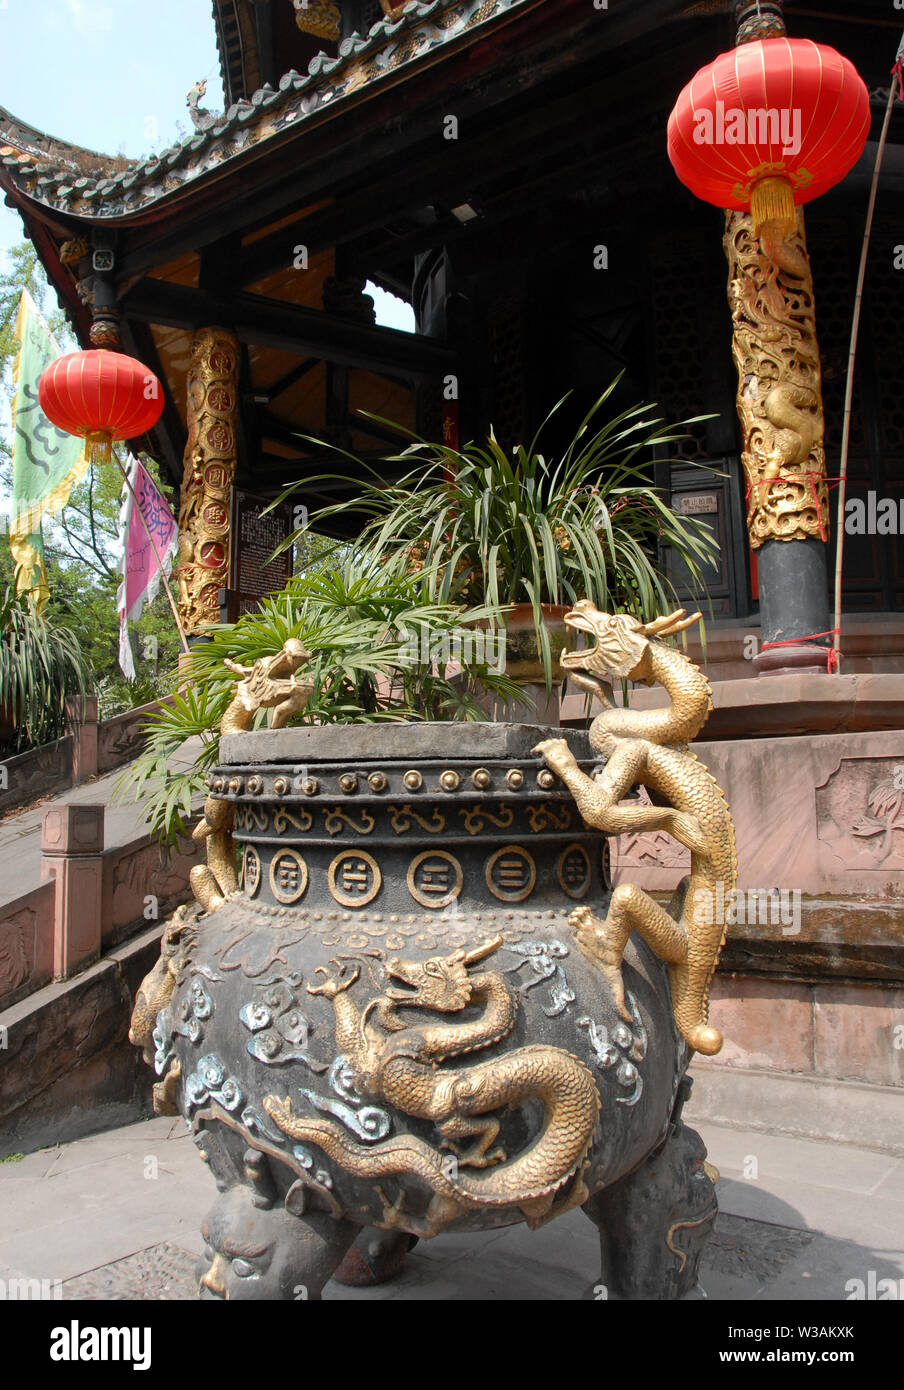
(896, 89)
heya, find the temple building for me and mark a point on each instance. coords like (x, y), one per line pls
(502, 166)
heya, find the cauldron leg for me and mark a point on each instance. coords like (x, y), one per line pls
(374, 1258)
(654, 1223)
(264, 1251)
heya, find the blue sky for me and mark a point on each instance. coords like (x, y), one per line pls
(112, 75)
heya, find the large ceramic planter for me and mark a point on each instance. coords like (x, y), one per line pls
(394, 1019)
(523, 652)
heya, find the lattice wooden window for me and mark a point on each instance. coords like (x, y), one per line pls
(680, 374)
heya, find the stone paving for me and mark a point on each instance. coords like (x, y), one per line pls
(116, 1216)
(20, 830)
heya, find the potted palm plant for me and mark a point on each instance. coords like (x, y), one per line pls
(530, 533)
(361, 624)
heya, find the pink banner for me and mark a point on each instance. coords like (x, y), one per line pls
(143, 564)
(148, 537)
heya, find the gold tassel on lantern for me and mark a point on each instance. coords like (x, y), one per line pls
(772, 200)
(98, 447)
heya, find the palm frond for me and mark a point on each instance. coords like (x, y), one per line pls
(41, 666)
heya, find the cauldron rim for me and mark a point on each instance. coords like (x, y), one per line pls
(413, 739)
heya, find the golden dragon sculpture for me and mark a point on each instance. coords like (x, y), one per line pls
(270, 683)
(155, 993)
(401, 1065)
(650, 747)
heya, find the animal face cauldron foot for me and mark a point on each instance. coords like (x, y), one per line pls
(653, 1225)
(256, 1252)
(374, 1258)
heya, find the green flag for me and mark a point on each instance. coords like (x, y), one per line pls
(47, 462)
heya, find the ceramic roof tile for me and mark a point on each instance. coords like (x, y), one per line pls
(120, 191)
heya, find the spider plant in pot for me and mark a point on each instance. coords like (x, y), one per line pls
(379, 650)
(533, 532)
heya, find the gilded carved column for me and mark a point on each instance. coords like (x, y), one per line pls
(770, 293)
(210, 457)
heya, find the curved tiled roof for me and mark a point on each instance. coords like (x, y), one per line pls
(95, 186)
(33, 153)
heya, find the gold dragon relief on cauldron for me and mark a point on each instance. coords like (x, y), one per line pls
(402, 1065)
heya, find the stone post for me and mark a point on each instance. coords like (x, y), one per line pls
(72, 844)
(210, 458)
(770, 290)
(82, 721)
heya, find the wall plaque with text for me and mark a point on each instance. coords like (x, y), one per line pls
(254, 538)
(697, 504)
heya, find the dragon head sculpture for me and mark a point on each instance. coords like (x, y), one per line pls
(441, 983)
(621, 645)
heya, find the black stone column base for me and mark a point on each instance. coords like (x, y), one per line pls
(794, 607)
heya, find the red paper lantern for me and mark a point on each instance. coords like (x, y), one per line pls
(772, 123)
(102, 396)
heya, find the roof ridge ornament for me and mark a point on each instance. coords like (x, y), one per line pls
(201, 119)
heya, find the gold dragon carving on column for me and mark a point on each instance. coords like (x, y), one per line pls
(770, 292)
(210, 456)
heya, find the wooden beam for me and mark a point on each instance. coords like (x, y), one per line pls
(359, 424)
(289, 379)
(249, 427)
(291, 328)
(263, 21)
(566, 133)
(269, 465)
(337, 402)
(217, 260)
(295, 436)
(169, 433)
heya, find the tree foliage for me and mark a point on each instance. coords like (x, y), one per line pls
(81, 544)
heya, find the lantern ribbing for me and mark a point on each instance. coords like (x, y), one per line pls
(774, 123)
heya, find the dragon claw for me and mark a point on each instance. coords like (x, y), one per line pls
(687, 829)
(579, 919)
(331, 986)
(556, 752)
